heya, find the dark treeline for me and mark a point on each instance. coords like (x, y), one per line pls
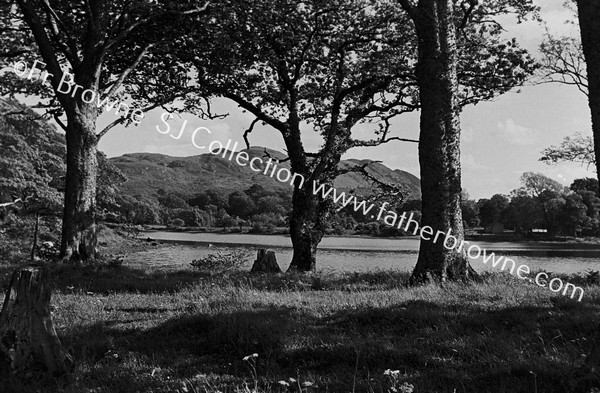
(541, 203)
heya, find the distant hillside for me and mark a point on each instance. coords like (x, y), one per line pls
(149, 172)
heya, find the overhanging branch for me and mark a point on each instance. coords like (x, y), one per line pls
(248, 131)
(128, 30)
(125, 73)
(259, 114)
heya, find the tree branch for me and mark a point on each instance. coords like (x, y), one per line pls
(384, 139)
(410, 9)
(279, 160)
(381, 141)
(60, 122)
(18, 200)
(277, 124)
(42, 39)
(70, 48)
(126, 72)
(248, 131)
(125, 33)
(468, 12)
(15, 53)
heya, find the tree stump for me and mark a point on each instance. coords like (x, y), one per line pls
(28, 341)
(266, 262)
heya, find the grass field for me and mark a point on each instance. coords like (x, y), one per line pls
(131, 330)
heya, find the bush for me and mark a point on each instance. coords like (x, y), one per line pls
(257, 228)
(48, 250)
(221, 262)
(176, 223)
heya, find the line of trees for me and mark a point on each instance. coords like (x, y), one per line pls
(298, 67)
(263, 210)
(541, 203)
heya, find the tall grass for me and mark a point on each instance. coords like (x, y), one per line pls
(184, 331)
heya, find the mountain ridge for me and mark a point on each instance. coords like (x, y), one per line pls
(149, 172)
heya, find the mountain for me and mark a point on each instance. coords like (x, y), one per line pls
(149, 172)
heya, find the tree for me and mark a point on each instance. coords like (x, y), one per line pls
(573, 217)
(27, 335)
(576, 61)
(271, 204)
(436, 23)
(549, 194)
(173, 201)
(343, 65)
(563, 62)
(108, 181)
(470, 210)
(577, 148)
(31, 163)
(240, 204)
(586, 184)
(337, 68)
(523, 212)
(87, 57)
(176, 223)
(587, 189)
(492, 210)
(589, 14)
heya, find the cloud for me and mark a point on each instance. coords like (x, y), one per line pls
(516, 134)
(468, 162)
(530, 33)
(467, 135)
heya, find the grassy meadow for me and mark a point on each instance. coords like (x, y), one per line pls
(136, 330)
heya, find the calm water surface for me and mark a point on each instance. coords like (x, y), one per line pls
(363, 254)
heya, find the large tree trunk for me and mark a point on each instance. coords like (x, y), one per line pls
(28, 341)
(439, 144)
(589, 23)
(79, 239)
(306, 229)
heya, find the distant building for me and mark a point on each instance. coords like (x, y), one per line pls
(494, 228)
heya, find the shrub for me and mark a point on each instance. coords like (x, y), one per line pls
(176, 223)
(48, 250)
(221, 262)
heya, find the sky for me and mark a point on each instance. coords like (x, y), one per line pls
(500, 140)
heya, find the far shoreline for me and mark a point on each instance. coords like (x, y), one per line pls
(488, 238)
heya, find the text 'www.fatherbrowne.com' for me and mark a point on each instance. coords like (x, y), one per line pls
(389, 217)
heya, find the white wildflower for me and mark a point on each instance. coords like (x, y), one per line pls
(247, 358)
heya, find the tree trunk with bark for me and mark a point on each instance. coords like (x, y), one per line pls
(307, 227)
(589, 17)
(28, 341)
(439, 143)
(36, 230)
(79, 239)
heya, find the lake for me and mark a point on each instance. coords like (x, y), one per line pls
(363, 254)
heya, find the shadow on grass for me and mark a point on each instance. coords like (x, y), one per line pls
(179, 349)
(437, 349)
(438, 346)
(102, 279)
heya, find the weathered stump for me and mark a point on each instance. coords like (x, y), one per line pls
(266, 262)
(28, 341)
